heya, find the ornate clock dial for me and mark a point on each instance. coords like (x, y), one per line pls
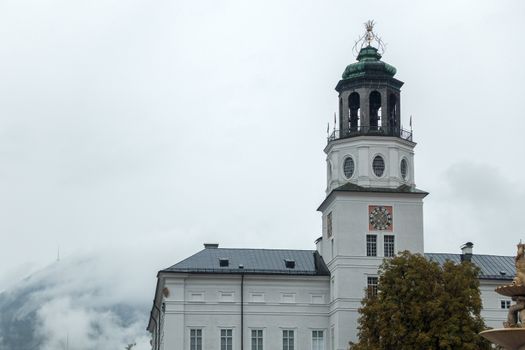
(380, 218)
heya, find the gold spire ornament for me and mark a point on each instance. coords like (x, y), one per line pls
(368, 38)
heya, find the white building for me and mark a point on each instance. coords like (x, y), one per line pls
(235, 299)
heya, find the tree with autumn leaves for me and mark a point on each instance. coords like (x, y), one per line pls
(422, 305)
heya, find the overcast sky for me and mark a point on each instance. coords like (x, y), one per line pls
(145, 128)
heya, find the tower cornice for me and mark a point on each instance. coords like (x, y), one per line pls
(369, 80)
(369, 140)
(350, 189)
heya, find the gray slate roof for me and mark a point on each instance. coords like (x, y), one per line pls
(254, 261)
(310, 263)
(491, 266)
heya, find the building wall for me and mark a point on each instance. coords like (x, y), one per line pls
(363, 150)
(271, 303)
(492, 312)
(274, 303)
(345, 250)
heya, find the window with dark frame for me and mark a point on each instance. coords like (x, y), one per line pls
(288, 339)
(404, 168)
(348, 167)
(196, 339)
(332, 338)
(317, 340)
(371, 245)
(329, 225)
(226, 339)
(389, 246)
(257, 339)
(378, 165)
(372, 286)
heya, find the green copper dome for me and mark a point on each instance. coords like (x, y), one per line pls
(368, 63)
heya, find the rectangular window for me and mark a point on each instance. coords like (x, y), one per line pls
(389, 246)
(372, 286)
(317, 340)
(196, 339)
(257, 339)
(371, 245)
(288, 339)
(226, 339)
(329, 225)
(332, 337)
(505, 304)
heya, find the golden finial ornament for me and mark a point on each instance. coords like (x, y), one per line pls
(368, 39)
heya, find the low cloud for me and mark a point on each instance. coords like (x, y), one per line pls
(66, 324)
(475, 202)
(88, 300)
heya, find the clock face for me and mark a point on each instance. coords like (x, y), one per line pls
(380, 218)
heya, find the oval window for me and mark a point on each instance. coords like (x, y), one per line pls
(378, 165)
(404, 168)
(348, 167)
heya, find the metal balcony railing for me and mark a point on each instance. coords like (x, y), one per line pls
(371, 131)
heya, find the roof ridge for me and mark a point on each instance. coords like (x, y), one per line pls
(459, 254)
(267, 249)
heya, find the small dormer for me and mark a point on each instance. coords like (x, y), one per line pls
(290, 264)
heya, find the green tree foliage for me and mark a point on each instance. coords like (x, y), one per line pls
(422, 305)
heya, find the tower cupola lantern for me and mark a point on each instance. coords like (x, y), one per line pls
(368, 147)
(369, 95)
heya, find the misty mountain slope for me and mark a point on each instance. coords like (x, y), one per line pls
(79, 303)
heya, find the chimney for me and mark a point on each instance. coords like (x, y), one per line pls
(466, 251)
(211, 245)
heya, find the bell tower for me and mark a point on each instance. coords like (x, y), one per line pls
(372, 208)
(369, 146)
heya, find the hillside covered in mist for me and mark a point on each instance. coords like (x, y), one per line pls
(80, 303)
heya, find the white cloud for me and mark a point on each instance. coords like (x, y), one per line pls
(476, 202)
(64, 321)
(132, 132)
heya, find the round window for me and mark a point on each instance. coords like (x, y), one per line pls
(404, 168)
(348, 167)
(378, 165)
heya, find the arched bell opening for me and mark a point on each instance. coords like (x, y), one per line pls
(393, 118)
(354, 107)
(340, 113)
(375, 110)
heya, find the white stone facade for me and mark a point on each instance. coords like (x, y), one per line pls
(271, 304)
(495, 306)
(372, 211)
(362, 150)
(303, 304)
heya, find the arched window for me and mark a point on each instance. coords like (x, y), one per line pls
(375, 110)
(404, 168)
(354, 105)
(392, 115)
(348, 167)
(328, 171)
(378, 165)
(340, 113)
